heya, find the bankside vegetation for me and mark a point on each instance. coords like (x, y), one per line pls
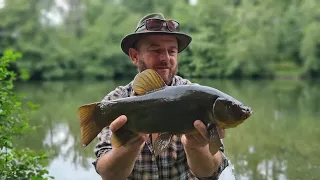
(16, 163)
(231, 38)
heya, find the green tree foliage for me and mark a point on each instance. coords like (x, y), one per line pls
(310, 43)
(210, 34)
(15, 163)
(232, 38)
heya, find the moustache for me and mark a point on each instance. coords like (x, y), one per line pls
(163, 65)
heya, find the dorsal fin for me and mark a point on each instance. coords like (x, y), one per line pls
(147, 81)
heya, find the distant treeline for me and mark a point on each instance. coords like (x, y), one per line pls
(231, 38)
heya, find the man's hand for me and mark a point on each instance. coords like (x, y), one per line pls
(132, 144)
(196, 140)
(119, 162)
(201, 162)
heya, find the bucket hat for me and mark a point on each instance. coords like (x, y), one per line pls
(141, 30)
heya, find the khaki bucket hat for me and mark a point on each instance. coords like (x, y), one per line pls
(149, 24)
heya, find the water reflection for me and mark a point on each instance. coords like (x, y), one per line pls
(63, 169)
(279, 142)
(69, 162)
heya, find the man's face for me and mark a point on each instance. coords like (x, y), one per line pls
(158, 52)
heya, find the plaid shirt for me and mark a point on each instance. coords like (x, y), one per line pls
(171, 164)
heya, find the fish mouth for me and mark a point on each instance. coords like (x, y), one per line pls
(247, 112)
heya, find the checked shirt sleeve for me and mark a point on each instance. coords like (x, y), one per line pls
(104, 144)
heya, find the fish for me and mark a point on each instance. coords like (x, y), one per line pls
(155, 107)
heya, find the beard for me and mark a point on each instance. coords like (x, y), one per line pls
(163, 65)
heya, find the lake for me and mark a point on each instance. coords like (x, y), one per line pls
(281, 141)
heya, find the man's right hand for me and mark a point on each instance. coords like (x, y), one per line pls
(134, 143)
(119, 162)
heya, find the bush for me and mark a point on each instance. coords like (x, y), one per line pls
(15, 163)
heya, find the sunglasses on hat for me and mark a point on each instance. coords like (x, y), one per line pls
(157, 24)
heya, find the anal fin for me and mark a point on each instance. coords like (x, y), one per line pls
(122, 136)
(214, 138)
(161, 143)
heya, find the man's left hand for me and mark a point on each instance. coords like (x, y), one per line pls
(196, 140)
(200, 160)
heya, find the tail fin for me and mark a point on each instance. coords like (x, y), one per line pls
(88, 127)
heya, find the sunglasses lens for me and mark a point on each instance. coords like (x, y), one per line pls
(154, 24)
(173, 25)
(157, 24)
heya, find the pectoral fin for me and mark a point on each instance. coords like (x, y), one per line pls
(161, 143)
(122, 136)
(214, 138)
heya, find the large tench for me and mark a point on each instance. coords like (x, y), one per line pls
(168, 110)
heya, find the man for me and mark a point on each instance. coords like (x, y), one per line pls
(155, 44)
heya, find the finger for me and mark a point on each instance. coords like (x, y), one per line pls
(194, 140)
(140, 136)
(201, 128)
(199, 139)
(118, 123)
(137, 141)
(221, 132)
(187, 138)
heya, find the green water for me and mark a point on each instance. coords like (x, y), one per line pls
(281, 141)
